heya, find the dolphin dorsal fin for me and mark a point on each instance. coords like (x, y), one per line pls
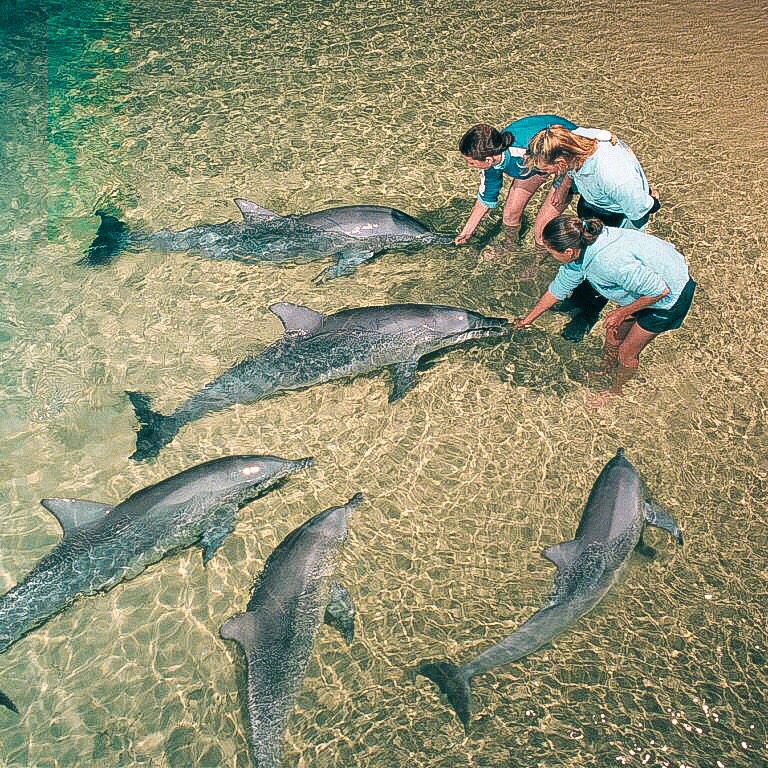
(75, 513)
(295, 318)
(253, 212)
(562, 554)
(241, 628)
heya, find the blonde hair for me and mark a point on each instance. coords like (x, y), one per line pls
(556, 142)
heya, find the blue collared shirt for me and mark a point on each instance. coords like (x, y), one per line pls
(623, 265)
(613, 180)
(511, 163)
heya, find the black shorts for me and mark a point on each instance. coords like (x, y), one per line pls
(586, 211)
(660, 320)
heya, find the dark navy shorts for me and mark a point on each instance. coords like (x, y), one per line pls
(660, 320)
(586, 211)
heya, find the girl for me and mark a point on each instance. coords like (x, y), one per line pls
(644, 275)
(500, 153)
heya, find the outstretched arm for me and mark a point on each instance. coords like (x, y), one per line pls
(547, 301)
(478, 211)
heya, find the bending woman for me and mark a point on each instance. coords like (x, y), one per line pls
(646, 276)
(497, 154)
(611, 184)
(601, 168)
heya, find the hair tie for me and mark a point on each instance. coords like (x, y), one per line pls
(584, 224)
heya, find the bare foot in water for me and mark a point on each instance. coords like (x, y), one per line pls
(596, 401)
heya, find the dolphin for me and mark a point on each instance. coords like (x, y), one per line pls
(317, 348)
(350, 234)
(610, 530)
(289, 600)
(105, 545)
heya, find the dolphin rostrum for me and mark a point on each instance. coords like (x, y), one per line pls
(351, 235)
(289, 600)
(318, 348)
(610, 530)
(103, 545)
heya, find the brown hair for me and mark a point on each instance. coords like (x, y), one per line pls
(482, 141)
(557, 142)
(565, 232)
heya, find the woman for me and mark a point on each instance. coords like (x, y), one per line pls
(600, 167)
(646, 276)
(612, 188)
(500, 153)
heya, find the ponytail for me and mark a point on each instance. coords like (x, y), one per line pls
(565, 232)
(482, 141)
(557, 142)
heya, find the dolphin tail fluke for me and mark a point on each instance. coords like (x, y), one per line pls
(452, 685)
(155, 430)
(111, 238)
(6, 702)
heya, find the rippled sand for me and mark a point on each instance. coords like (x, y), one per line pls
(167, 112)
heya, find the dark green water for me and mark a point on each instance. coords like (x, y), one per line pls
(166, 112)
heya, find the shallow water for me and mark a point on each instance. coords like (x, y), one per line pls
(166, 112)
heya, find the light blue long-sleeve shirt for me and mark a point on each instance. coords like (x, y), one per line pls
(613, 180)
(623, 265)
(511, 163)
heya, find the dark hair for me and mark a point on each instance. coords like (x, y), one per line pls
(483, 140)
(565, 232)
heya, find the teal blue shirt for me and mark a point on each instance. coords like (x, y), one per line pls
(511, 163)
(612, 179)
(623, 265)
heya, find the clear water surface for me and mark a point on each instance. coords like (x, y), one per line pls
(166, 111)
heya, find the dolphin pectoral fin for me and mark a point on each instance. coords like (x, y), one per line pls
(452, 685)
(75, 513)
(562, 554)
(6, 702)
(340, 612)
(344, 265)
(295, 318)
(403, 379)
(253, 212)
(222, 525)
(644, 549)
(659, 517)
(241, 628)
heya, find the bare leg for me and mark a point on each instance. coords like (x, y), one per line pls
(613, 340)
(518, 196)
(630, 348)
(520, 192)
(554, 204)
